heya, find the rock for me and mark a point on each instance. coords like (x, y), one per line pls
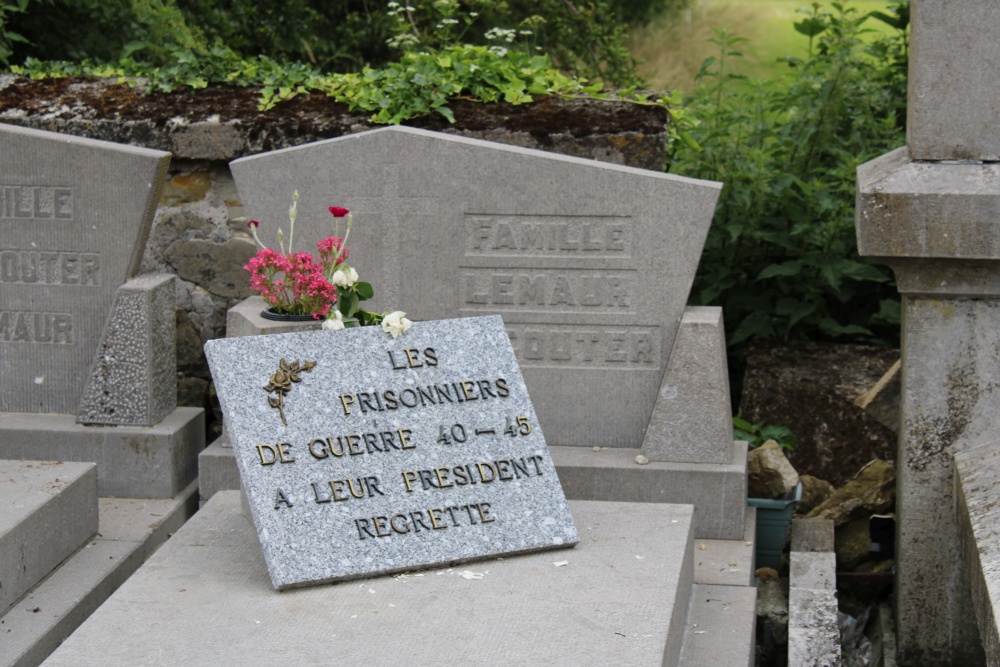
(766, 574)
(814, 492)
(192, 392)
(872, 491)
(185, 188)
(853, 544)
(812, 389)
(769, 474)
(190, 352)
(218, 267)
(641, 460)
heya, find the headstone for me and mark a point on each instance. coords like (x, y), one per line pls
(82, 339)
(590, 264)
(74, 217)
(362, 454)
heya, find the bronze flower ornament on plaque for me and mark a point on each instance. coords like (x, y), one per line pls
(281, 383)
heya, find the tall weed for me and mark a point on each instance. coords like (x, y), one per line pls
(781, 256)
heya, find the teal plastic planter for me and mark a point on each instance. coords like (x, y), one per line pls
(773, 519)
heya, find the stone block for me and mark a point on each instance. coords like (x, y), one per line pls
(812, 535)
(569, 251)
(74, 216)
(244, 319)
(919, 213)
(952, 107)
(718, 492)
(692, 416)
(217, 469)
(132, 461)
(511, 610)
(50, 512)
(134, 378)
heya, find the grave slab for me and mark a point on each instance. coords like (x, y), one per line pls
(391, 453)
(132, 461)
(728, 562)
(50, 511)
(589, 264)
(130, 531)
(977, 474)
(74, 217)
(205, 598)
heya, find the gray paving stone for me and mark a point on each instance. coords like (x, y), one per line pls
(728, 562)
(205, 598)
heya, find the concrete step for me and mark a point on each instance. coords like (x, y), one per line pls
(620, 597)
(720, 627)
(129, 532)
(50, 511)
(727, 562)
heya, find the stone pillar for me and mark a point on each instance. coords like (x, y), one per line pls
(931, 211)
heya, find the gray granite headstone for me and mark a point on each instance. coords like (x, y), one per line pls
(589, 264)
(361, 454)
(74, 216)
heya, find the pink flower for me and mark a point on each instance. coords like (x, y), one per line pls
(338, 211)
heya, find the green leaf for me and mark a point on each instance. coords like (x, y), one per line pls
(364, 290)
(787, 269)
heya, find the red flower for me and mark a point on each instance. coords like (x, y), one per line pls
(253, 223)
(338, 211)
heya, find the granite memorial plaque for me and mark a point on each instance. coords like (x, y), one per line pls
(74, 216)
(361, 454)
(589, 263)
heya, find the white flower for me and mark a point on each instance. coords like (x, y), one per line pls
(333, 321)
(395, 323)
(344, 278)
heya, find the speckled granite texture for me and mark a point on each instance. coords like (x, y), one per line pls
(397, 453)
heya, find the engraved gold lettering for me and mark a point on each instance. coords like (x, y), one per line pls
(272, 456)
(347, 400)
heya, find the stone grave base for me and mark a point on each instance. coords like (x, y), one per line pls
(625, 595)
(717, 491)
(70, 550)
(132, 461)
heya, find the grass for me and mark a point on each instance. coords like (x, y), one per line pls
(672, 52)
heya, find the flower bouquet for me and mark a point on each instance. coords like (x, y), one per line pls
(323, 286)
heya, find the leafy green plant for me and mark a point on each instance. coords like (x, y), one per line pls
(781, 255)
(757, 434)
(7, 36)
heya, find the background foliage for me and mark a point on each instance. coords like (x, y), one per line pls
(781, 256)
(583, 37)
